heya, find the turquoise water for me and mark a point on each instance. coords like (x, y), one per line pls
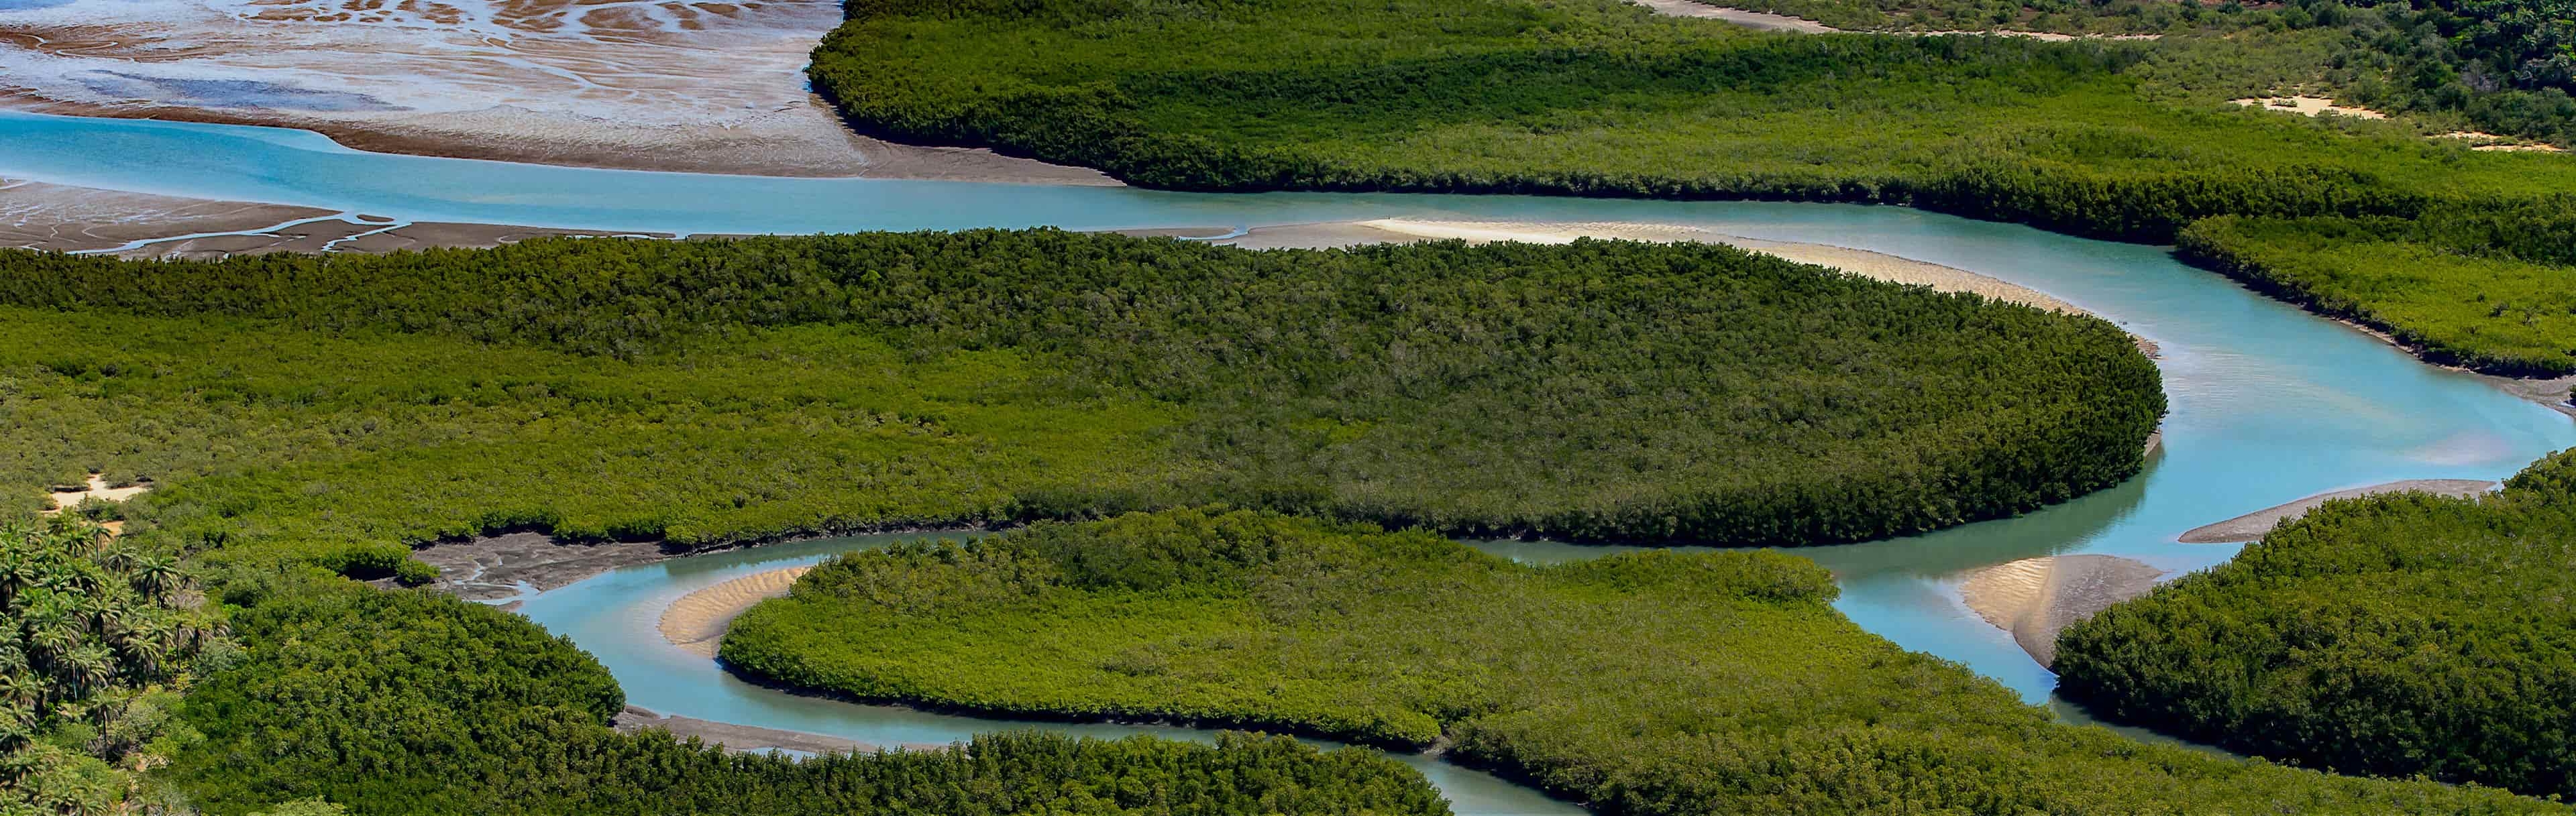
(2269, 404)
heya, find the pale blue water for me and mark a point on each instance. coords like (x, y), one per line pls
(2269, 404)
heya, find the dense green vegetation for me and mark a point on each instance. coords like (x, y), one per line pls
(2126, 140)
(97, 643)
(1599, 97)
(1647, 683)
(2398, 635)
(729, 391)
(2505, 66)
(2488, 289)
(401, 702)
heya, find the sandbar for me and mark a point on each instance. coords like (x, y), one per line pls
(2037, 598)
(697, 621)
(1864, 263)
(2252, 526)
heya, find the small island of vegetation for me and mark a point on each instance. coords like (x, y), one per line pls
(2396, 635)
(1647, 683)
(713, 392)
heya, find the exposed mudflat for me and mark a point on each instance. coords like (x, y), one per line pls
(640, 84)
(507, 566)
(2037, 598)
(739, 738)
(35, 215)
(2252, 526)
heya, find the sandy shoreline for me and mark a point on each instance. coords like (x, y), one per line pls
(1864, 263)
(2252, 526)
(2037, 598)
(697, 621)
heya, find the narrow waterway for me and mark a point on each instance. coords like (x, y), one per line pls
(2269, 404)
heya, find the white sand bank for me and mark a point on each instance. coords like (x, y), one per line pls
(697, 621)
(1864, 263)
(2036, 598)
(2252, 526)
(96, 489)
(2307, 106)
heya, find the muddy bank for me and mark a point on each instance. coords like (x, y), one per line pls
(2037, 598)
(2252, 526)
(36, 215)
(508, 566)
(697, 621)
(743, 738)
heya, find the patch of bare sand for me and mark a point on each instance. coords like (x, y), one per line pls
(35, 215)
(1766, 21)
(2480, 140)
(2304, 105)
(697, 621)
(97, 488)
(2252, 526)
(1759, 21)
(2037, 598)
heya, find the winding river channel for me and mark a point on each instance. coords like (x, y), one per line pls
(2269, 404)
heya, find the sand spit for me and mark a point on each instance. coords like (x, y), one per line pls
(2252, 526)
(2307, 106)
(741, 738)
(2036, 598)
(697, 621)
(1856, 261)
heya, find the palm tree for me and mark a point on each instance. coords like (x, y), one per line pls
(90, 667)
(156, 577)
